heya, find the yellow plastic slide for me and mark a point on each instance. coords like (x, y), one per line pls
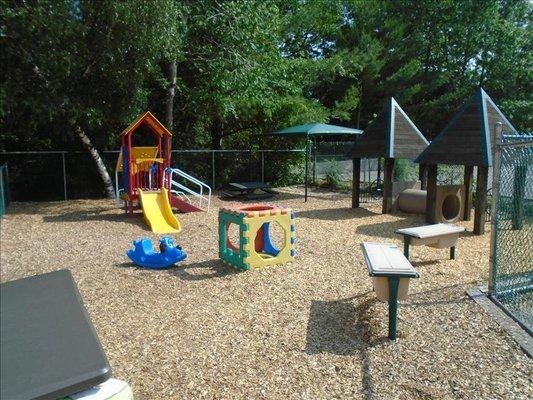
(158, 213)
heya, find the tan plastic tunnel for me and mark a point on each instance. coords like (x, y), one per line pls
(449, 199)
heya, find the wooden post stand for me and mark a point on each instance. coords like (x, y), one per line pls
(481, 200)
(394, 283)
(422, 176)
(356, 184)
(387, 185)
(469, 173)
(431, 196)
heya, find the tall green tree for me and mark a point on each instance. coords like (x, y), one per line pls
(77, 70)
(233, 76)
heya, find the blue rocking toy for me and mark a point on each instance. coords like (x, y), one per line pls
(144, 255)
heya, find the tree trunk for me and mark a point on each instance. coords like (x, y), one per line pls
(216, 144)
(171, 72)
(216, 133)
(85, 141)
(359, 108)
(100, 166)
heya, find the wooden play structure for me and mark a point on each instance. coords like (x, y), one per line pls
(392, 135)
(468, 140)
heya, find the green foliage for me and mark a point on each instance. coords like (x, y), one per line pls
(405, 171)
(333, 175)
(247, 67)
(91, 63)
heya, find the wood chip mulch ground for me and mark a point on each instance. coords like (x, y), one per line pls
(310, 330)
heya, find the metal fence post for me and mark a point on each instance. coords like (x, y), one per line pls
(495, 200)
(262, 166)
(64, 175)
(213, 169)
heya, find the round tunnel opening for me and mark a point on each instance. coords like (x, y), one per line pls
(451, 206)
(269, 240)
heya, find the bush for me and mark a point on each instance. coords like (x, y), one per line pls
(404, 171)
(334, 175)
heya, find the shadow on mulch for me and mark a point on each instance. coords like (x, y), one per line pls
(284, 196)
(387, 229)
(338, 327)
(214, 268)
(96, 215)
(315, 195)
(55, 207)
(468, 234)
(336, 214)
(451, 294)
(425, 263)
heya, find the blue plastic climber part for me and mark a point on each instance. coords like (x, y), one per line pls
(143, 253)
(268, 247)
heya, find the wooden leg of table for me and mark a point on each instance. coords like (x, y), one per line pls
(394, 282)
(452, 253)
(406, 243)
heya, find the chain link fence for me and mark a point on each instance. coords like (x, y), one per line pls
(332, 167)
(511, 279)
(63, 175)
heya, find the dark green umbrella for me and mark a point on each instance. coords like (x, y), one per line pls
(322, 131)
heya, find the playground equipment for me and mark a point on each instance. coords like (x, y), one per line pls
(144, 255)
(255, 248)
(439, 236)
(181, 193)
(149, 181)
(468, 140)
(449, 202)
(157, 211)
(392, 135)
(391, 272)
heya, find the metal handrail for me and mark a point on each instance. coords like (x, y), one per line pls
(200, 195)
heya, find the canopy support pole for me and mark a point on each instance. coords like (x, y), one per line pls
(314, 161)
(306, 164)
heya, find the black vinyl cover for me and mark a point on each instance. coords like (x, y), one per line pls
(49, 347)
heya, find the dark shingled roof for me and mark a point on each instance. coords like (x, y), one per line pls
(469, 137)
(391, 135)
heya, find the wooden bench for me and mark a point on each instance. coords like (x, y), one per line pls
(438, 236)
(390, 271)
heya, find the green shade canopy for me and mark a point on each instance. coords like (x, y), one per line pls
(318, 130)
